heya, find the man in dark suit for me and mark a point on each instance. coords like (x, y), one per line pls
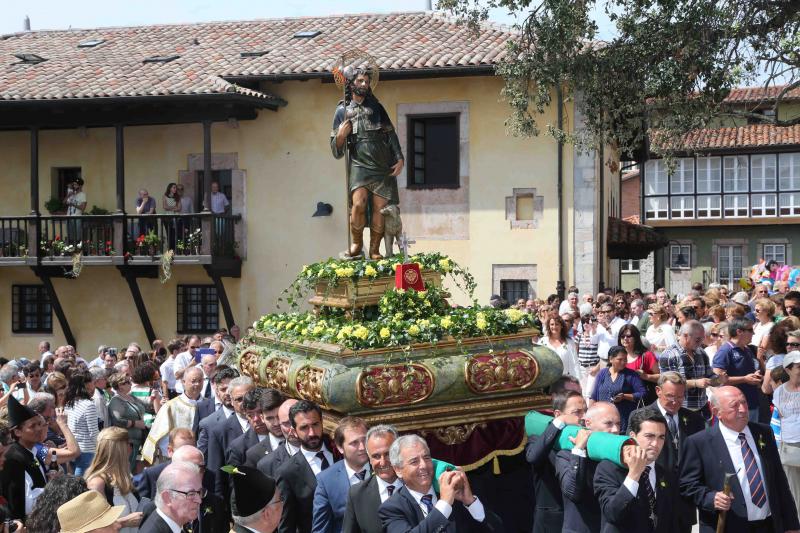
(548, 515)
(641, 498)
(220, 435)
(274, 438)
(212, 411)
(333, 485)
(270, 463)
(146, 481)
(575, 471)
(261, 404)
(417, 508)
(297, 477)
(364, 499)
(23, 476)
(178, 497)
(681, 423)
(760, 499)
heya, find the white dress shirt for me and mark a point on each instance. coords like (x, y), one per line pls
(315, 462)
(475, 509)
(383, 490)
(351, 474)
(243, 423)
(735, 450)
(274, 442)
(291, 450)
(633, 485)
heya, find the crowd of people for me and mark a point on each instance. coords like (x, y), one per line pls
(174, 439)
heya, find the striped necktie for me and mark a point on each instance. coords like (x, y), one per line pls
(757, 493)
(427, 501)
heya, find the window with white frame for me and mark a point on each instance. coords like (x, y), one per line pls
(789, 171)
(709, 174)
(762, 172)
(680, 256)
(774, 252)
(734, 173)
(655, 178)
(764, 205)
(629, 266)
(682, 179)
(735, 205)
(709, 206)
(790, 203)
(656, 208)
(729, 264)
(682, 207)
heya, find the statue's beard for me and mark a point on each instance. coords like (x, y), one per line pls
(360, 91)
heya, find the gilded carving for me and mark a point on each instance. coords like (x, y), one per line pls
(488, 373)
(309, 383)
(248, 364)
(457, 434)
(276, 374)
(384, 386)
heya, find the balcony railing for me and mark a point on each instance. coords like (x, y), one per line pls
(116, 239)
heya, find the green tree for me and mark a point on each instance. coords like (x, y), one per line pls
(668, 66)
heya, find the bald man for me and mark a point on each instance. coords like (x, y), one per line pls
(575, 471)
(270, 464)
(760, 499)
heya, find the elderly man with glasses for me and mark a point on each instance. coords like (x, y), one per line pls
(179, 493)
(688, 358)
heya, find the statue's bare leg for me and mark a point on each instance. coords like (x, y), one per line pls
(376, 227)
(358, 215)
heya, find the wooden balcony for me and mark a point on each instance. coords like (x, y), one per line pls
(141, 240)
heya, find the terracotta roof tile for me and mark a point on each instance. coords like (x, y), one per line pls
(211, 51)
(745, 95)
(750, 136)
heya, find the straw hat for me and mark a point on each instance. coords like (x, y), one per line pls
(86, 512)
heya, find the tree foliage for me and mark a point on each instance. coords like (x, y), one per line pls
(668, 66)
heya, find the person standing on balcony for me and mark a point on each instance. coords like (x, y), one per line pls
(76, 205)
(171, 202)
(219, 202)
(187, 206)
(145, 205)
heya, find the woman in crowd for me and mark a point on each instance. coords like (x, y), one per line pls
(640, 360)
(82, 417)
(100, 397)
(660, 334)
(127, 412)
(590, 363)
(56, 385)
(786, 400)
(172, 200)
(716, 334)
(556, 338)
(621, 308)
(619, 385)
(57, 492)
(778, 343)
(144, 377)
(765, 312)
(717, 313)
(109, 475)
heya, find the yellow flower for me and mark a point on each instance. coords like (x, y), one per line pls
(369, 271)
(424, 323)
(280, 325)
(514, 314)
(480, 323)
(398, 316)
(421, 294)
(344, 272)
(446, 322)
(384, 333)
(383, 263)
(319, 328)
(413, 330)
(445, 265)
(361, 332)
(400, 291)
(304, 332)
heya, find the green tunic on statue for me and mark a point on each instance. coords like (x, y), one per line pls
(374, 147)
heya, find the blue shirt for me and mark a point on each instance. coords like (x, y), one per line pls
(737, 362)
(627, 382)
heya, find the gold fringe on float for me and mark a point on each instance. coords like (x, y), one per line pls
(492, 456)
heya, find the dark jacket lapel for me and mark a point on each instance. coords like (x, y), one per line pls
(413, 504)
(720, 449)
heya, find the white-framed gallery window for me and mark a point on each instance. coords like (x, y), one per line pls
(789, 171)
(709, 175)
(682, 178)
(729, 264)
(656, 208)
(762, 172)
(709, 206)
(680, 256)
(790, 203)
(629, 266)
(682, 207)
(735, 205)
(655, 178)
(764, 205)
(734, 173)
(775, 252)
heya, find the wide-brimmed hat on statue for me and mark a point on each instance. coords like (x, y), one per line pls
(86, 512)
(18, 413)
(252, 490)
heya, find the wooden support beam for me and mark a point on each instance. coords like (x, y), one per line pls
(56, 305)
(35, 171)
(138, 301)
(207, 165)
(222, 296)
(120, 152)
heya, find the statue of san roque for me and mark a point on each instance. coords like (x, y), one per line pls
(362, 127)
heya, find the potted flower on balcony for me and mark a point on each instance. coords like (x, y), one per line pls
(151, 243)
(191, 244)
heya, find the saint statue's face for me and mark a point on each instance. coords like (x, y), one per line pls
(361, 85)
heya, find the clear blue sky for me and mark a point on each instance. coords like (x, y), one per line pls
(60, 14)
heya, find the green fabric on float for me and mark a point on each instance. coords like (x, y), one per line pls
(599, 447)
